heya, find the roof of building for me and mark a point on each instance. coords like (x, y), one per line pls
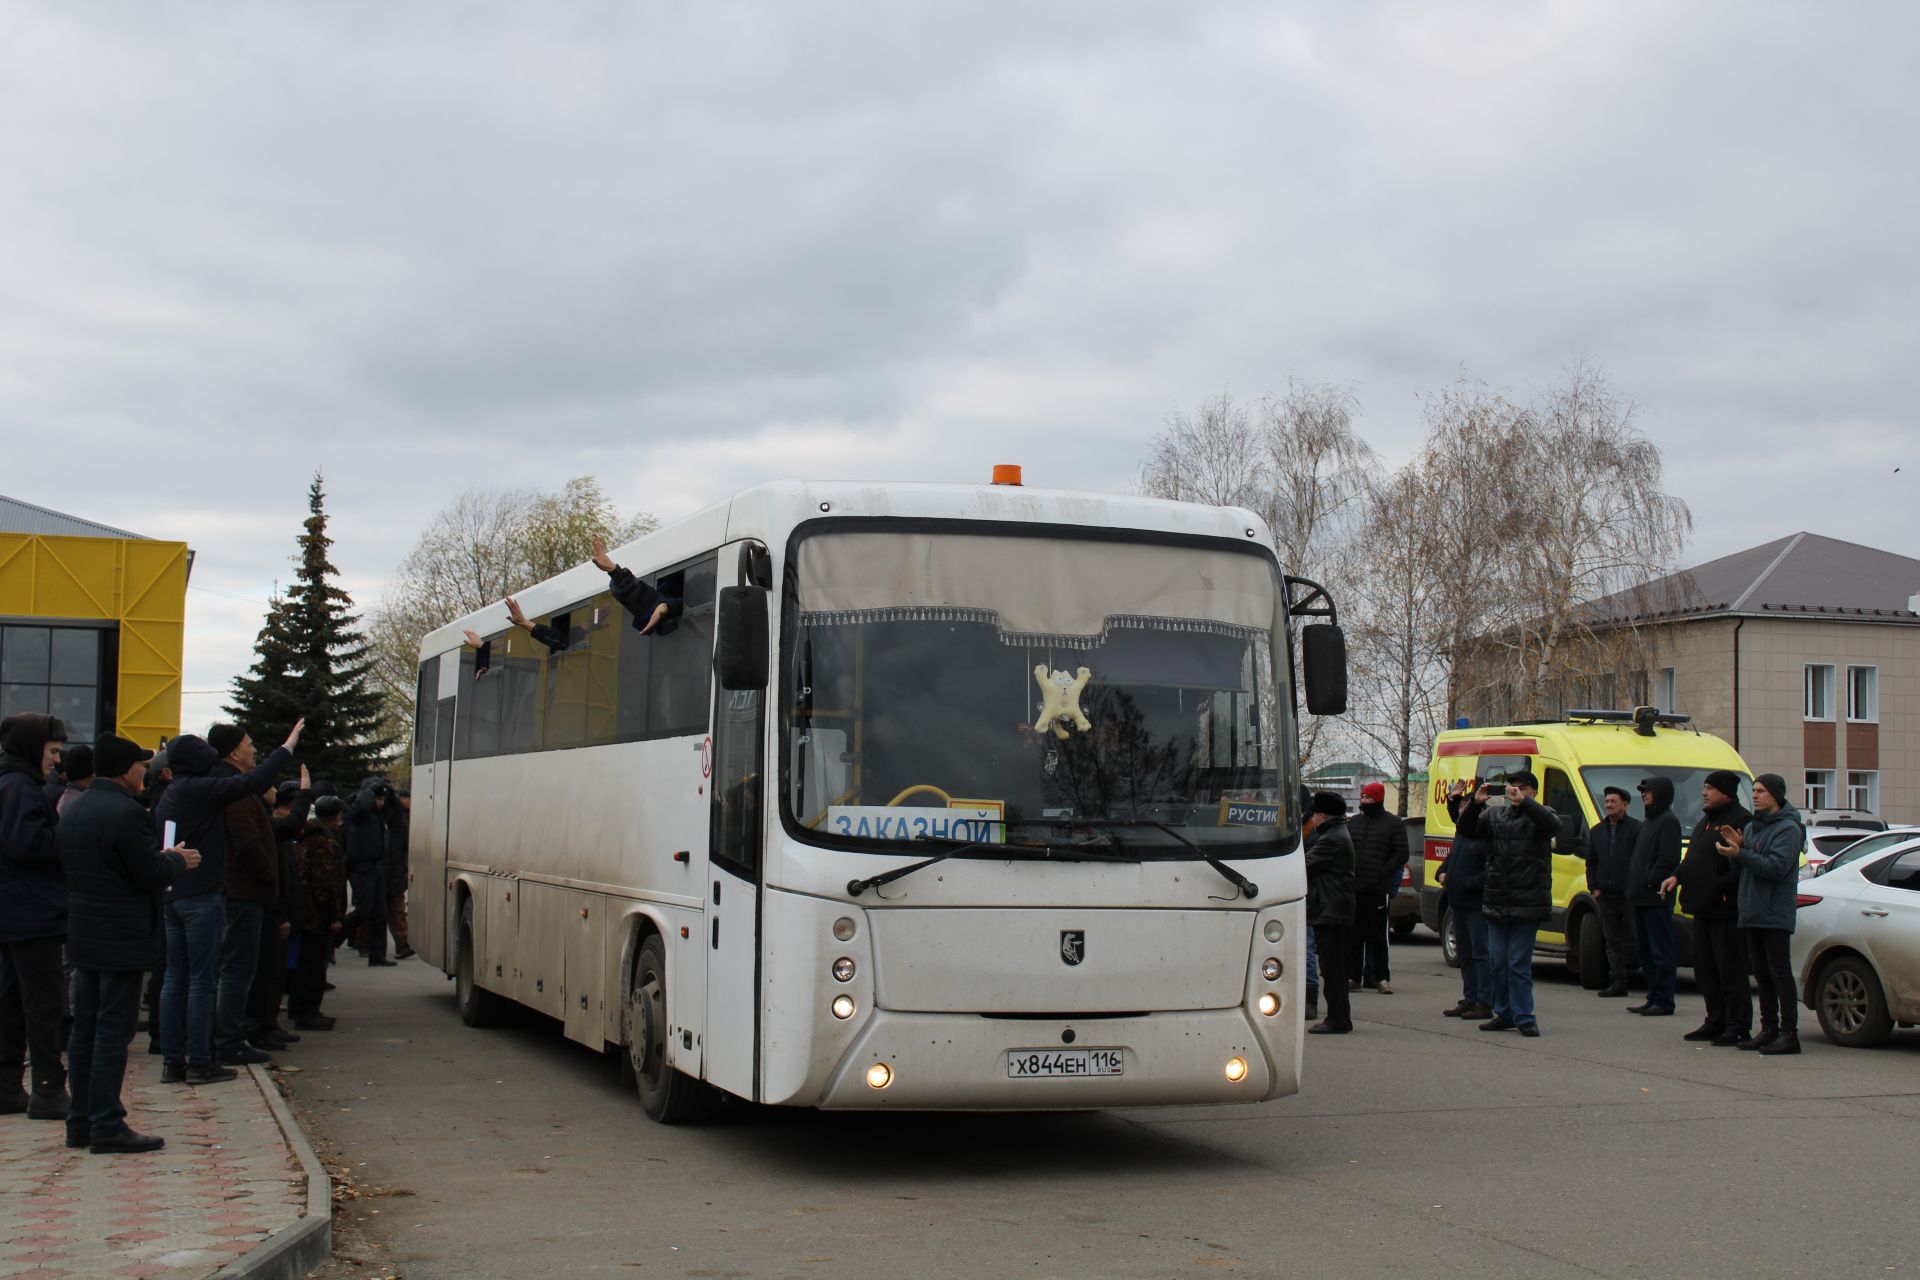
(1802, 574)
(19, 516)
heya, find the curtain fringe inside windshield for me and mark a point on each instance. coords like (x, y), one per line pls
(945, 613)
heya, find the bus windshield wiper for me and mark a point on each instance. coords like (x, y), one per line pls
(1247, 888)
(858, 887)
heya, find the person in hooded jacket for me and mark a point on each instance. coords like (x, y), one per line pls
(1380, 858)
(116, 872)
(196, 803)
(399, 818)
(1767, 854)
(1518, 897)
(1330, 863)
(1464, 876)
(33, 919)
(365, 833)
(1609, 858)
(1656, 856)
(319, 913)
(1708, 886)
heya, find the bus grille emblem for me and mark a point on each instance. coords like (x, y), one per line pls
(1073, 945)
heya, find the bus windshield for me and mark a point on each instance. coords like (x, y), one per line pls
(941, 684)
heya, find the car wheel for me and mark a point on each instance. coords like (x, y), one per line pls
(478, 1006)
(1590, 944)
(667, 1094)
(1449, 945)
(1851, 1007)
(1402, 929)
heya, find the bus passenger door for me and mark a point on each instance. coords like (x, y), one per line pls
(430, 891)
(733, 874)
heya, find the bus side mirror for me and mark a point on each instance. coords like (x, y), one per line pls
(740, 644)
(1323, 668)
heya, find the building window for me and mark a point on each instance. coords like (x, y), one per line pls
(1863, 693)
(1819, 788)
(1863, 790)
(1819, 692)
(1666, 691)
(62, 672)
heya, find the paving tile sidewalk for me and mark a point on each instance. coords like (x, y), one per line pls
(225, 1181)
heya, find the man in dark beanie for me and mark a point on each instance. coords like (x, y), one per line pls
(1767, 855)
(253, 890)
(1380, 857)
(196, 803)
(33, 918)
(78, 766)
(1519, 893)
(116, 872)
(1708, 884)
(1330, 870)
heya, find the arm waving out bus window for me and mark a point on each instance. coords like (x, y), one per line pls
(652, 612)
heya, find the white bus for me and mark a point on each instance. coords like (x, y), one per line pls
(934, 796)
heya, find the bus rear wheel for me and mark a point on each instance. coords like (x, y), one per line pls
(666, 1093)
(478, 1006)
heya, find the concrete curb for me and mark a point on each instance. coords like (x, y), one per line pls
(290, 1252)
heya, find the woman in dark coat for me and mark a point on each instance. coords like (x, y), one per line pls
(1330, 872)
(33, 918)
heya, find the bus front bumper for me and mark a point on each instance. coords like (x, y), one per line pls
(967, 1062)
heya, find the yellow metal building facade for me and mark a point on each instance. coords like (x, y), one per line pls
(92, 624)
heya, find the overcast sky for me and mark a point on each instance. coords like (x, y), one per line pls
(687, 248)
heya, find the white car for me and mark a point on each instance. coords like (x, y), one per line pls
(1824, 842)
(1856, 946)
(1865, 846)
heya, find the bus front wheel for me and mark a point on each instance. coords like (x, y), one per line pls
(478, 1006)
(666, 1094)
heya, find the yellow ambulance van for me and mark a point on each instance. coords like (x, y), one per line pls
(1575, 759)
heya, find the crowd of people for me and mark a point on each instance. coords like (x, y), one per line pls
(211, 878)
(1735, 876)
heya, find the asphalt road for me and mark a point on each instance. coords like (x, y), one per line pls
(1418, 1145)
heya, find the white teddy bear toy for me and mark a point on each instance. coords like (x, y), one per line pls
(1060, 700)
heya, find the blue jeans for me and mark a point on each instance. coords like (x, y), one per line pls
(196, 926)
(239, 958)
(105, 1007)
(1510, 965)
(1470, 943)
(1654, 927)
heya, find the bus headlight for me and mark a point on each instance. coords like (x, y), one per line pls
(843, 1007)
(879, 1076)
(843, 969)
(1270, 969)
(1236, 1070)
(1268, 1004)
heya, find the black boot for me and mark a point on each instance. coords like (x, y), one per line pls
(45, 1104)
(1785, 1042)
(125, 1143)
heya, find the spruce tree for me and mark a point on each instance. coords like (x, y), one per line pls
(312, 661)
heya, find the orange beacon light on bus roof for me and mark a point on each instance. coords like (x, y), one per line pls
(1006, 473)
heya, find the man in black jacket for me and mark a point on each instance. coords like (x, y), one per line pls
(1609, 856)
(365, 835)
(1464, 876)
(1708, 884)
(1656, 855)
(1519, 894)
(33, 918)
(262, 1025)
(196, 803)
(116, 872)
(1330, 905)
(1380, 859)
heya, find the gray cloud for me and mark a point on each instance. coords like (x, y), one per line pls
(434, 246)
